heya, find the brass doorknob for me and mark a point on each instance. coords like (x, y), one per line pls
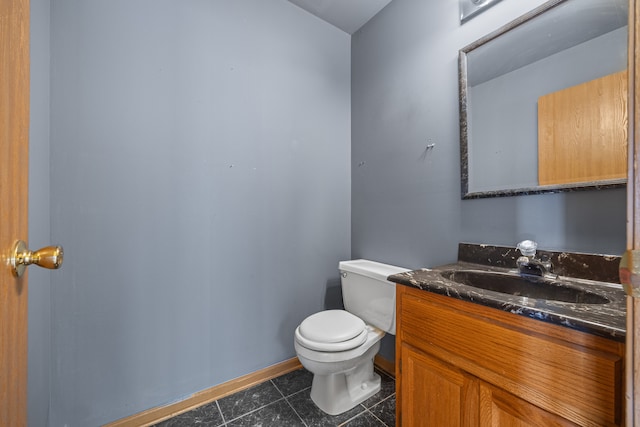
(50, 257)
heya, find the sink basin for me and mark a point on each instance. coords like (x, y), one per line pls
(534, 287)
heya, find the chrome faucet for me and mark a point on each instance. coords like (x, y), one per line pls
(530, 265)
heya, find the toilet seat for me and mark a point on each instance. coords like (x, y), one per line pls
(331, 330)
(374, 335)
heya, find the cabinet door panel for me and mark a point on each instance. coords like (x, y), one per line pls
(501, 409)
(436, 394)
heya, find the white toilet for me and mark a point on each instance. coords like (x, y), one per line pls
(338, 346)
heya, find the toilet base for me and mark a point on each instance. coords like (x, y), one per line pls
(337, 393)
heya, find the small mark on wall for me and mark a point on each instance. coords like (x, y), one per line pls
(430, 146)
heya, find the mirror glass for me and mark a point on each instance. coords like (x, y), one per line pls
(543, 102)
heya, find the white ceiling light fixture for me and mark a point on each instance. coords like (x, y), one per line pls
(471, 8)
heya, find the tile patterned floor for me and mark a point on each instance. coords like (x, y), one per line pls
(284, 402)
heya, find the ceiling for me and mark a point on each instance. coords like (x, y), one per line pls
(348, 15)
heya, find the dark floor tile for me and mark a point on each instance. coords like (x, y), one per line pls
(204, 416)
(386, 411)
(366, 419)
(294, 381)
(277, 414)
(387, 388)
(263, 405)
(313, 416)
(248, 400)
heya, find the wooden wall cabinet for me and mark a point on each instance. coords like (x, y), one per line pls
(463, 364)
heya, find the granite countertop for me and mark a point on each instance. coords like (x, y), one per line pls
(607, 320)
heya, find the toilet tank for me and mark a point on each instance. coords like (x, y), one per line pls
(368, 294)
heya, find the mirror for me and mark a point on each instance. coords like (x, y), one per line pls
(507, 135)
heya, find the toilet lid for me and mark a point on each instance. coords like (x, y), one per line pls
(331, 326)
(330, 347)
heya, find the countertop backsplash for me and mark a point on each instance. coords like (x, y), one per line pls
(602, 268)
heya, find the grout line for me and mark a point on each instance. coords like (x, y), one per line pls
(257, 409)
(276, 387)
(385, 399)
(298, 392)
(289, 403)
(296, 412)
(379, 403)
(374, 416)
(355, 416)
(224, 421)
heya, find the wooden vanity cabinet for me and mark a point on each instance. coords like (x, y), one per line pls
(464, 364)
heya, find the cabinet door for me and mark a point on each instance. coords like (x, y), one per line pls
(434, 393)
(501, 409)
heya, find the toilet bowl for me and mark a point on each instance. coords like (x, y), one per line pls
(338, 346)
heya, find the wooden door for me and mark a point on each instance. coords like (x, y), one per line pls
(582, 130)
(14, 160)
(435, 393)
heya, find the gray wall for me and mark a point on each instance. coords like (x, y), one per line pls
(406, 206)
(39, 340)
(200, 159)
